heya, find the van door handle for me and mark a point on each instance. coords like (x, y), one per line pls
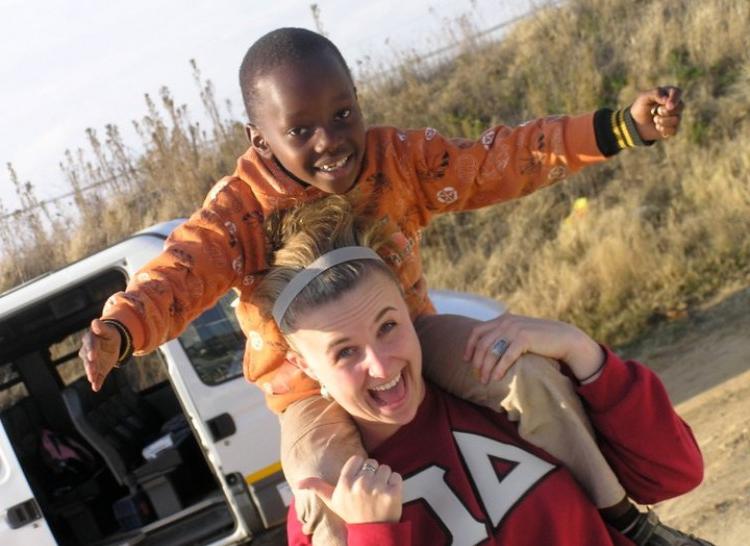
(23, 513)
(221, 426)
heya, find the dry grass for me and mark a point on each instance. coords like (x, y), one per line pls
(117, 191)
(663, 227)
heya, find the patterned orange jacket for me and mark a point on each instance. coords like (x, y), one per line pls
(407, 177)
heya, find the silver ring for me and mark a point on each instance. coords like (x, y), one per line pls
(368, 467)
(499, 347)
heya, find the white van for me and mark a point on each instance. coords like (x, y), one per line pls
(177, 452)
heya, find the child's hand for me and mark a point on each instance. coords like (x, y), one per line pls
(100, 348)
(365, 493)
(494, 346)
(657, 113)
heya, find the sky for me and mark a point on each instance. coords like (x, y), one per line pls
(69, 65)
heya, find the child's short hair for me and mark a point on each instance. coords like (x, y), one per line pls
(280, 46)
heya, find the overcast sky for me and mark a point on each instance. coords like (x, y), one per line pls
(69, 65)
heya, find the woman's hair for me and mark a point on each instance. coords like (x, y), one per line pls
(300, 235)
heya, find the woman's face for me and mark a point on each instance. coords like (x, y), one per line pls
(363, 348)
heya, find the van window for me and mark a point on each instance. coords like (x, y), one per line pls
(142, 373)
(215, 344)
(12, 388)
(64, 355)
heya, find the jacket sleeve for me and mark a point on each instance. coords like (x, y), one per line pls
(503, 164)
(362, 534)
(202, 259)
(650, 448)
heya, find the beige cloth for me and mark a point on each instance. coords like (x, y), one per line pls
(317, 436)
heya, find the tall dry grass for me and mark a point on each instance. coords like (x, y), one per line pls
(662, 228)
(117, 190)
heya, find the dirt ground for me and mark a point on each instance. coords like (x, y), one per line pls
(704, 360)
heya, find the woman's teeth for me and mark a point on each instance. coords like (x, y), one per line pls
(389, 394)
(333, 166)
(385, 386)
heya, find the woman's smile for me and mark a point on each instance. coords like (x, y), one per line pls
(389, 395)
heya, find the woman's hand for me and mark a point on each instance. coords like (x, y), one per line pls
(365, 493)
(495, 345)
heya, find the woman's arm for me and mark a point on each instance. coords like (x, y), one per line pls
(651, 449)
(495, 345)
(362, 534)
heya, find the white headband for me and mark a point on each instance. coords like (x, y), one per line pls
(305, 276)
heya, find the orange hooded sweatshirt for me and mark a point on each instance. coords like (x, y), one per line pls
(407, 178)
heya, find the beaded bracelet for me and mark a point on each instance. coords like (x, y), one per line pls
(126, 345)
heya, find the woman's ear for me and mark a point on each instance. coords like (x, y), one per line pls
(296, 359)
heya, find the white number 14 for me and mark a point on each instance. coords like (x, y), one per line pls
(498, 494)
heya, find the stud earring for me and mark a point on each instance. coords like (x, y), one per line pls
(324, 392)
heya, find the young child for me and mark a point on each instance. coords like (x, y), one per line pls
(307, 140)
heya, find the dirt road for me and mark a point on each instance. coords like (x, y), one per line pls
(704, 359)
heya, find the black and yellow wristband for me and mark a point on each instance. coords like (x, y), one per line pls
(615, 131)
(126, 340)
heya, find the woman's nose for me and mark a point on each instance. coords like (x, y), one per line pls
(377, 363)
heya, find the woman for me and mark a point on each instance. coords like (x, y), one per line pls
(442, 470)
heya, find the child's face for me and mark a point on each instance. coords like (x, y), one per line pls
(308, 118)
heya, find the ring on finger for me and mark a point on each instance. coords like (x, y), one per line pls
(499, 347)
(655, 110)
(368, 467)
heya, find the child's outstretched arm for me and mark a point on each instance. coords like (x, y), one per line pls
(220, 246)
(510, 162)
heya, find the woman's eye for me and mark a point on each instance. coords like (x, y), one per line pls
(344, 114)
(345, 353)
(297, 131)
(387, 326)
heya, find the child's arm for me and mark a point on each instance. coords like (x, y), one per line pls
(220, 246)
(507, 163)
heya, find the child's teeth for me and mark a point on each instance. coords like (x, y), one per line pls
(334, 166)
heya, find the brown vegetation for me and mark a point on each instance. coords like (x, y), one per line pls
(660, 229)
